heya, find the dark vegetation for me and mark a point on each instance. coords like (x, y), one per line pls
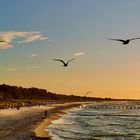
(8, 93)
(16, 97)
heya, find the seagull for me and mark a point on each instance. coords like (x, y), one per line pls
(87, 93)
(124, 42)
(65, 64)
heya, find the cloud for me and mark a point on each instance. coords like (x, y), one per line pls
(20, 37)
(20, 68)
(79, 54)
(31, 67)
(28, 67)
(5, 45)
(11, 69)
(32, 36)
(33, 55)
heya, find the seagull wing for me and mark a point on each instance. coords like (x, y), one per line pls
(117, 39)
(87, 92)
(60, 61)
(70, 60)
(135, 38)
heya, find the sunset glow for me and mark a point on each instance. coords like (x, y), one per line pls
(36, 32)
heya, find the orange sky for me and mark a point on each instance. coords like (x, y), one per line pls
(36, 32)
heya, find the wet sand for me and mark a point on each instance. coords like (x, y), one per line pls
(53, 114)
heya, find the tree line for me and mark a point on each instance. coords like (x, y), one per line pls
(8, 92)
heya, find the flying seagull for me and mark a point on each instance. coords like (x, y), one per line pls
(124, 42)
(65, 64)
(87, 93)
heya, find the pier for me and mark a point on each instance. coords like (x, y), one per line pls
(112, 106)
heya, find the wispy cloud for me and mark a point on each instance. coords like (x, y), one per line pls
(28, 67)
(31, 67)
(79, 54)
(33, 55)
(32, 36)
(22, 37)
(5, 45)
(11, 69)
(20, 68)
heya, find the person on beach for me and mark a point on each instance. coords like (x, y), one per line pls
(46, 113)
(18, 107)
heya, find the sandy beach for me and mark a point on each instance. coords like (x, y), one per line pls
(53, 114)
(29, 122)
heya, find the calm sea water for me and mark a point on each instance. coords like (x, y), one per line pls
(98, 124)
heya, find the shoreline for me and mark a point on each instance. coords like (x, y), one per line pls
(53, 114)
(29, 123)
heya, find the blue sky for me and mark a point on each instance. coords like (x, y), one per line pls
(51, 29)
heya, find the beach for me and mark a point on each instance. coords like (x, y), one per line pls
(30, 122)
(53, 114)
(69, 119)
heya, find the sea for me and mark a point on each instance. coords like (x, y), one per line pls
(116, 120)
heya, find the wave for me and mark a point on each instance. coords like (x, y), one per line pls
(110, 115)
(87, 124)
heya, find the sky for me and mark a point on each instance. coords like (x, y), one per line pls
(37, 31)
